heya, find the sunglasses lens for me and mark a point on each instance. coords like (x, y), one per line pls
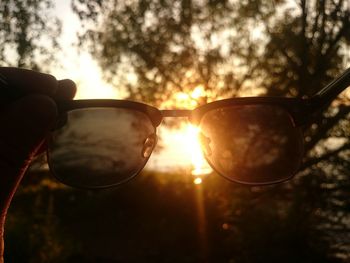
(100, 147)
(252, 144)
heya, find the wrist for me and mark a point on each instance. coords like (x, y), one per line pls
(2, 223)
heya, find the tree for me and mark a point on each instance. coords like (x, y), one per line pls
(156, 49)
(28, 33)
(178, 45)
(171, 46)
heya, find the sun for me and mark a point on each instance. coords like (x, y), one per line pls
(193, 147)
(182, 143)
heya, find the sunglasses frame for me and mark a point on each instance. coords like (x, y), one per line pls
(83, 104)
(295, 107)
(302, 111)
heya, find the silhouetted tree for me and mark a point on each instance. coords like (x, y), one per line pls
(155, 49)
(280, 46)
(28, 33)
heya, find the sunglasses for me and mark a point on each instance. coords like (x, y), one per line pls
(253, 140)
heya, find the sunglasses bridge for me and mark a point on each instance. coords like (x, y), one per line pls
(176, 113)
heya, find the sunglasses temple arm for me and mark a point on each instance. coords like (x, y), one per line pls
(333, 89)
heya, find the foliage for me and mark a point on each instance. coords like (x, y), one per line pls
(226, 47)
(162, 217)
(28, 33)
(156, 49)
(33, 230)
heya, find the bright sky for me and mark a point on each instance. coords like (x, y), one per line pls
(79, 66)
(180, 149)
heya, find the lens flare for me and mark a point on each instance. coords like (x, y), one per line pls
(200, 166)
(197, 180)
(198, 92)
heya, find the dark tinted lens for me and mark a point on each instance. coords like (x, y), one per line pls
(255, 144)
(100, 147)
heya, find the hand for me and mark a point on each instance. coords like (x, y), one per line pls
(24, 125)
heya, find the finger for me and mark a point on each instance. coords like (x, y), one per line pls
(66, 90)
(23, 82)
(25, 124)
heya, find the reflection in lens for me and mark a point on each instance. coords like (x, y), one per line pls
(254, 144)
(100, 147)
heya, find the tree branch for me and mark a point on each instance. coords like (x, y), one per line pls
(324, 129)
(324, 157)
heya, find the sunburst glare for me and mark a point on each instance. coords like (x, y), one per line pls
(197, 180)
(199, 164)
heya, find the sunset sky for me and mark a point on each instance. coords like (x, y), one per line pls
(180, 149)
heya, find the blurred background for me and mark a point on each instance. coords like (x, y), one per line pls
(181, 54)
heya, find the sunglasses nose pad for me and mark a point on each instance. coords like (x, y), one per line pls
(148, 145)
(205, 144)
